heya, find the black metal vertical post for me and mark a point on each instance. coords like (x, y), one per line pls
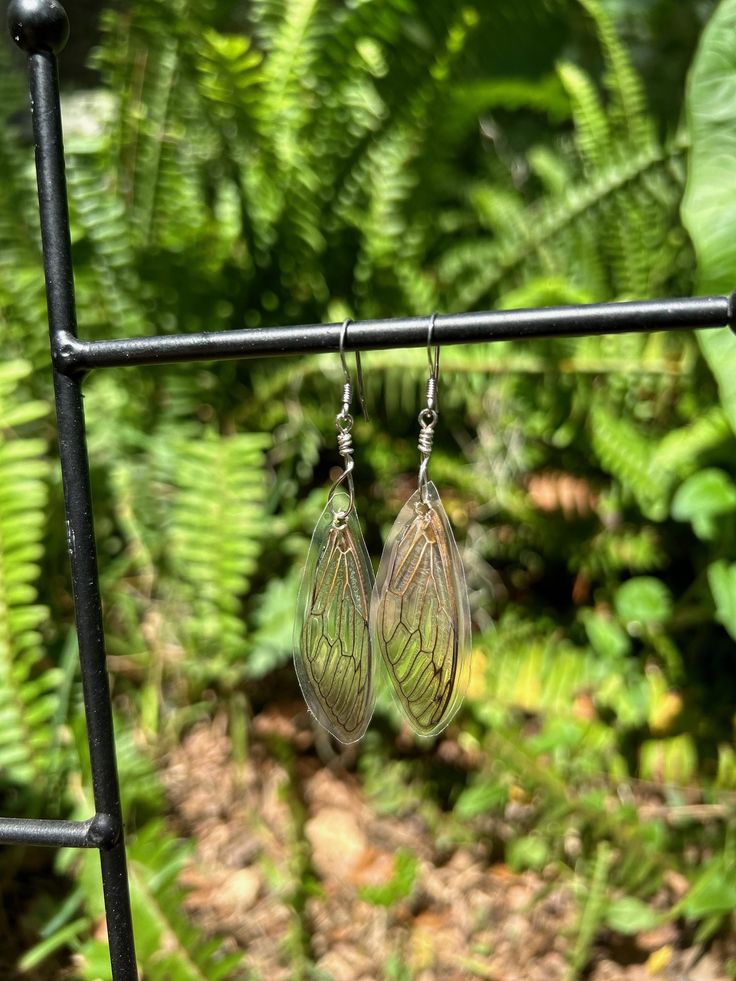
(40, 28)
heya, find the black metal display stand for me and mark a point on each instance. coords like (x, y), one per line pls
(40, 28)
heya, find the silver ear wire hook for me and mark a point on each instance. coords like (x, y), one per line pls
(434, 365)
(358, 372)
(434, 362)
(344, 424)
(428, 415)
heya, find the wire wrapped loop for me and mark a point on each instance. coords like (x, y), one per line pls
(426, 439)
(427, 422)
(345, 444)
(344, 425)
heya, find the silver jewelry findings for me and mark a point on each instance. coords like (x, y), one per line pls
(420, 615)
(332, 643)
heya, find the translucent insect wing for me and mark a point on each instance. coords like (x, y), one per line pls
(332, 643)
(420, 615)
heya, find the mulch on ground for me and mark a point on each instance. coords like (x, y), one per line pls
(284, 852)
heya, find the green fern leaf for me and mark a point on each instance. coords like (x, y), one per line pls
(218, 522)
(28, 691)
(629, 457)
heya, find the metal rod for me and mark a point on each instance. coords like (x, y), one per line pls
(74, 355)
(40, 27)
(94, 833)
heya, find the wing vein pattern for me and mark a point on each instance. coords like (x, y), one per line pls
(418, 621)
(335, 639)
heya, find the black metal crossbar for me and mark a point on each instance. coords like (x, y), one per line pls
(40, 28)
(74, 355)
(100, 831)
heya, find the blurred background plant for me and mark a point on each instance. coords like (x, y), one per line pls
(297, 161)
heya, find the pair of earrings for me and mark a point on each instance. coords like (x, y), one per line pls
(416, 613)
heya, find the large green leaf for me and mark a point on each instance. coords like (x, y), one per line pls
(643, 599)
(713, 892)
(709, 206)
(702, 499)
(629, 915)
(722, 581)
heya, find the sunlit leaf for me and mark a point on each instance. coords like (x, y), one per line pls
(709, 206)
(722, 582)
(702, 499)
(629, 915)
(644, 600)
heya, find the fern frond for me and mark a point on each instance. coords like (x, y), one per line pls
(229, 70)
(591, 916)
(28, 689)
(218, 522)
(289, 83)
(109, 287)
(592, 132)
(679, 450)
(168, 945)
(626, 549)
(623, 82)
(535, 672)
(471, 271)
(22, 297)
(626, 454)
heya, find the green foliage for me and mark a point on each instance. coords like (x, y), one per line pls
(708, 208)
(531, 852)
(643, 600)
(708, 213)
(593, 909)
(628, 456)
(292, 161)
(628, 915)
(166, 943)
(28, 701)
(712, 897)
(22, 297)
(604, 224)
(703, 499)
(218, 523)
(399, 887)
(722, 581)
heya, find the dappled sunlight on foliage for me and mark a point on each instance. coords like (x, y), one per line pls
(297, 162)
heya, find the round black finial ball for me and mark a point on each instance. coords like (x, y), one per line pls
(38, 25)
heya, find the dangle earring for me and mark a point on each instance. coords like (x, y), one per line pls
(420, 615)
(332, 643)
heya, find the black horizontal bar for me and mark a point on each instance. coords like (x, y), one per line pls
(99, 831)
(74, 355)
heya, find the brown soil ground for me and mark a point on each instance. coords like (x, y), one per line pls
(465, 918)
(284, 845)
